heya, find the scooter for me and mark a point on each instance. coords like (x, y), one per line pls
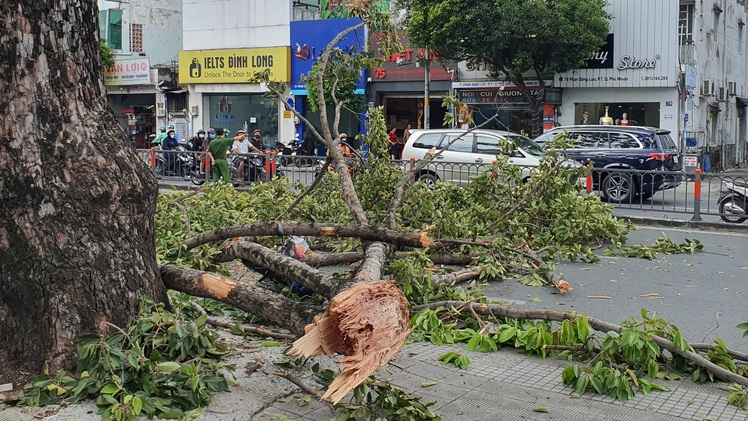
(733, 201)
(254, 168)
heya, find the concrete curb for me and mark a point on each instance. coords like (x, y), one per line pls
(687, 224)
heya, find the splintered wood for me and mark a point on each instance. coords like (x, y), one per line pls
(367, 323)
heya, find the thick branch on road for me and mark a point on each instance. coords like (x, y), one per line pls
(344, 258)
(246, 328)
(364, 232)
(597, 324)
(457, 277)
(271, 307)
(284, 266)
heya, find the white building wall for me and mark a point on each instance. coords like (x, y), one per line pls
(162, 28)
(222, 24)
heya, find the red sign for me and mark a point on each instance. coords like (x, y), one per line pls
(402, 66)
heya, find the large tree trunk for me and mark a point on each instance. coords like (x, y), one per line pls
(76, 204)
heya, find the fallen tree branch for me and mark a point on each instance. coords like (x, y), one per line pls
(597, 324)
(364, 232)
(293, 379)
(742, 356)
(269, 306)
(281, 265)
(345, 258)
(458, 277)
(247, 328)
(308, 191)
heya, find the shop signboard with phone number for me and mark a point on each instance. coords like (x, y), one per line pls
(234, 65)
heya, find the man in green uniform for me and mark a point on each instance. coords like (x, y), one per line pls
(217, 155)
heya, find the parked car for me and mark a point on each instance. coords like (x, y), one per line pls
(467, 156)
(627, 149)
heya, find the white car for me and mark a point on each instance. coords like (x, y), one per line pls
(469, 155)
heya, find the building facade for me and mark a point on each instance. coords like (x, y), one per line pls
(145, 37)
(226, 43)
(679, 66)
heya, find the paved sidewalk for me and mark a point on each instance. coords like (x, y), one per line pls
(508, 385)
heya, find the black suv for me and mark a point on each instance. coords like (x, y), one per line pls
(623, 148)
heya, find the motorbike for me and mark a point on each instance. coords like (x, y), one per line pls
(254, 168)
(182, 165)
(733, 201)
(294, 154)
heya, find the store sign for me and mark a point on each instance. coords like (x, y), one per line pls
(407, 66)
(631, 62)
(495, 96)
(310, 37)
(603, 58)
(128, 72)
(233, 66)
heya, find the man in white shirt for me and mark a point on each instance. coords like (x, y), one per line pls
(242, 147)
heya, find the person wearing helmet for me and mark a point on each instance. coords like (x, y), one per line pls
(160, 138)
(170, 144)
(196, 145)
(209, 136)
(176, 135)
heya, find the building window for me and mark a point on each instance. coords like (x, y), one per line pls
(110, 28)
(685, 24)
(136, 37)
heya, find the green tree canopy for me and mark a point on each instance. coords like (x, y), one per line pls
(514, 37)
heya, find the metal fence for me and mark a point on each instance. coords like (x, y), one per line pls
(693, 196)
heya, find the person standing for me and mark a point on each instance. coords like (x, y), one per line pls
(242, 147)
(170, 144)
(160, 138)
(393, 140)
(217, 152)
(406, 134)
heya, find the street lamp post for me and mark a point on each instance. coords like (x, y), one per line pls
(426, 87)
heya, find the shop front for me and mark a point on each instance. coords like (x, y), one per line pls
(503, 105)
(223, 95)
(633, 78)
(132, 97)
(400, 86)
(308, 40)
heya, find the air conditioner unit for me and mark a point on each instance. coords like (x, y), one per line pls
(722, 93)
(732, 88)
(707, 88)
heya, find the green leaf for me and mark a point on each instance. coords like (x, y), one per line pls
(168, 367)
(429, 384)
(268, 344)
(137, 406)
(543, 410)
(110, 389)
(474, 342)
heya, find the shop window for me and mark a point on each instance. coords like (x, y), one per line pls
(428, 141)
(623, 141)
(463, 144)
(637, 114)
(244, 111)
(110, 28)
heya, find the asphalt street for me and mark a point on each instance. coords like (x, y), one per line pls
(703, 294)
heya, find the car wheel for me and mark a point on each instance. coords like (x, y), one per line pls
(618, 187)
(429, 180)
(732, 207)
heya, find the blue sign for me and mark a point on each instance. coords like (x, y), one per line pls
(310, 37)
(685, 118)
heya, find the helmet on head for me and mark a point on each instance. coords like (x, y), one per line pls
(211, 131)
(171, 126)
(201, 131)
(162, 129)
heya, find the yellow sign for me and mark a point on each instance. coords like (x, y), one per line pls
(234, 66)
(287, 114)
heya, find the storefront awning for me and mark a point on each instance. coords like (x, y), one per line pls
(741, 102)
(304, 92)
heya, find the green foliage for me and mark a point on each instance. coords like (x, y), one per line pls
(160, 365)
(661, 245)
(514, 36)
(107, 55)
(376, 132)
(738, 396)
(379, 400)
(744, 328)
(456, 359)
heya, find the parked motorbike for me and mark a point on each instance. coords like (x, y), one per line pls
(733, 201)
(254, 168)
(182, 165)
(294, 154)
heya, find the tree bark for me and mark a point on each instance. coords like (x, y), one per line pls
(364, 232)
(271, 307)
(77, 246)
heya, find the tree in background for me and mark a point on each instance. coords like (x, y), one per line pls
(516, 38)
